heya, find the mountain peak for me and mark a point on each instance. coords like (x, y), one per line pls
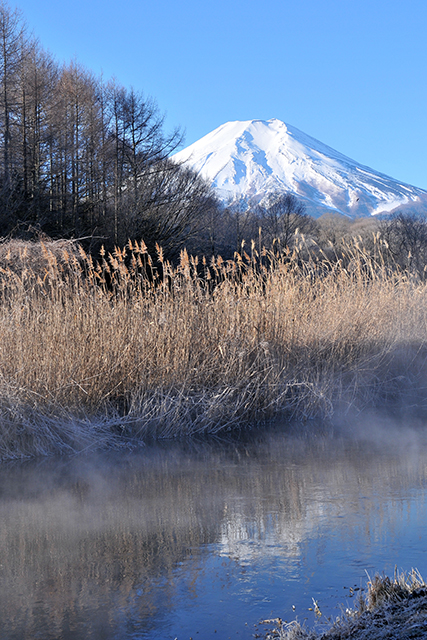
(253, 158)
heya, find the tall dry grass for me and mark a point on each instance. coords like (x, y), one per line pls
(94, 352)
(392, 609)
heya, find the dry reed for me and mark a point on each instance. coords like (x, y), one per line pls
(97, 352)
(393, 609)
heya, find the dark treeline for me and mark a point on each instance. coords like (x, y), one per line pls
(241, 224)
(281, 223)
(83, 157)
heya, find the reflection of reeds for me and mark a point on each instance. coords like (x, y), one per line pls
(74, 542)
(393, 609)
(91, 351)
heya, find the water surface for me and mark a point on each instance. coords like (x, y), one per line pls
(204, 539)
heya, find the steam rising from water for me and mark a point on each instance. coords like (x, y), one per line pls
(158, 541)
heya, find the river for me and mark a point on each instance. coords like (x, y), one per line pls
(203, 539)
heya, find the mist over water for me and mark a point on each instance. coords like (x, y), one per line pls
(206, 538)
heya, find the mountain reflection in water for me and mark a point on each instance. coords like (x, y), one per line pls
(204, 539)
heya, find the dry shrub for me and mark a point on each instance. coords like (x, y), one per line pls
(19, 255)
(134, 347)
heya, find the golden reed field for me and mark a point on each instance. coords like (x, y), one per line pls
(95, 353)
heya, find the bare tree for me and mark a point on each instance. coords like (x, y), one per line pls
(171, 202)
(139, 143)
(39, 75)
(12, 39)
(406, 238)
(283, 215)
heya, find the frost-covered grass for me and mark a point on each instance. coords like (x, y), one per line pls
(394, 609)
(91, 353)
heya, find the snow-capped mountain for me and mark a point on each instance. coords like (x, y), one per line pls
(251, 159)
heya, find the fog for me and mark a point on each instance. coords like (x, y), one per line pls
(155, 542)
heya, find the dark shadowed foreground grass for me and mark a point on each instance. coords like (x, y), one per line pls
(394, 609)
(94, 354)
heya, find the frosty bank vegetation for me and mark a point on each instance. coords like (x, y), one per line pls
(128, 347)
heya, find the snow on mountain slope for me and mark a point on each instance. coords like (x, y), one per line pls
(253, 158)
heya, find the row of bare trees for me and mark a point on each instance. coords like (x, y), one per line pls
(282, 221)
(274, 221)
(84, 157)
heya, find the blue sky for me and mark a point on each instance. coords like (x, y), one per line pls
(351, 73)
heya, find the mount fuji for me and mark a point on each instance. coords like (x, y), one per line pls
(249, 160)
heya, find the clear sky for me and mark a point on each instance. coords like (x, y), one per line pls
(351, 73)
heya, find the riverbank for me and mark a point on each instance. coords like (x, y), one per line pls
(96, 354)
(393, 609)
